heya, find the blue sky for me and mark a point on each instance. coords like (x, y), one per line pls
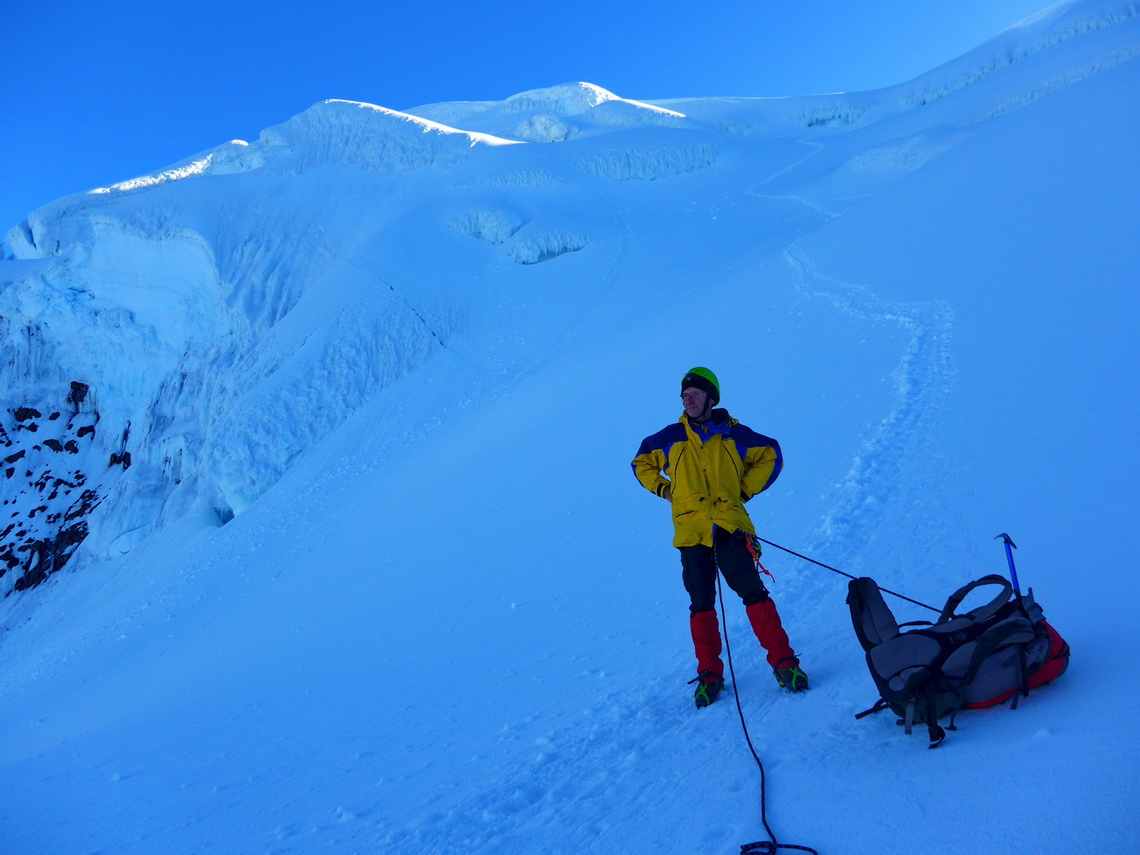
(97, 92)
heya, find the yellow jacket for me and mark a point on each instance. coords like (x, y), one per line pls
(712, 469)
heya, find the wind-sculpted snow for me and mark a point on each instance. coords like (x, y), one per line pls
(546, 127)
(369, 137)
(498, 227)
(1041, 88)
(648, 162)
(570, 99)
(492, 226)
(534, 249)
(519, 178)
(367, 348)
(554, 114)
(234, 156)
(828, 115)
(1051, 27)
(1093, 35)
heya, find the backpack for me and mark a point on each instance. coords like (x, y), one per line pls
(978, 659)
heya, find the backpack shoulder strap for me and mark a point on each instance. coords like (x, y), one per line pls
(872, 618)
(983, 612)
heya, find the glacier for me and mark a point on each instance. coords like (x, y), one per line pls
(323, 539)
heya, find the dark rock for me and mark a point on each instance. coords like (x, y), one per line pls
(54, 444)
(88, 500)
(24, 413)
(49, 555)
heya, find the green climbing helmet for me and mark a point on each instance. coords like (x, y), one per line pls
(702, 378)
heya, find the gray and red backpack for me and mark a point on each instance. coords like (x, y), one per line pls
(972, 660)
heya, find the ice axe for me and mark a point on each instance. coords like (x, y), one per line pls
(1009, 547)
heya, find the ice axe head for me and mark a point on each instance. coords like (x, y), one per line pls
(1009, 557)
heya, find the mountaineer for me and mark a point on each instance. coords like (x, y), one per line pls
(707, 465)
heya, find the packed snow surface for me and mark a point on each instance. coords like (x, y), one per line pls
(320, 534)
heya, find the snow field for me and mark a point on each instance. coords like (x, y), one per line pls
(442, 616)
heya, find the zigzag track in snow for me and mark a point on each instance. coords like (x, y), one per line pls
(877, 483)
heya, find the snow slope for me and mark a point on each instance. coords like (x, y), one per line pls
(377, 578)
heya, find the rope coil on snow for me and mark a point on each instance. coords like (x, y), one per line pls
(764, 847)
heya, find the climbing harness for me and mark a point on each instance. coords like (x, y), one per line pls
(753, 544)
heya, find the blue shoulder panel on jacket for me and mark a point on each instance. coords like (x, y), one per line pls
(663, 439)
(746, 438)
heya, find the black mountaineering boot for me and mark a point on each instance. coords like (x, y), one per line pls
(790, 677)
(709, 685)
